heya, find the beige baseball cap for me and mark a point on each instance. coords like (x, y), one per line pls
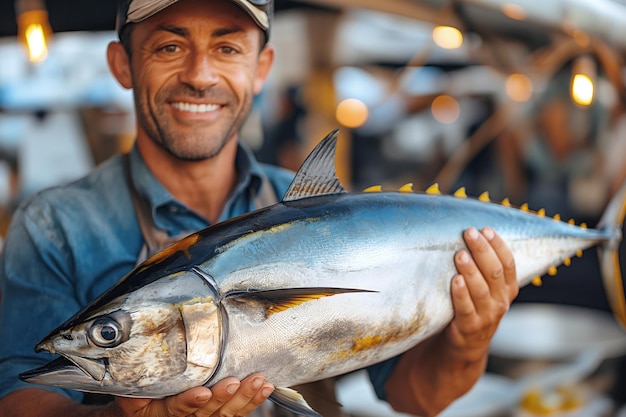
(133, 11)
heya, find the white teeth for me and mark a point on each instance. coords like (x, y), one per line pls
(195, 108)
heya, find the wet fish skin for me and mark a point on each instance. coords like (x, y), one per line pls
(320, 284)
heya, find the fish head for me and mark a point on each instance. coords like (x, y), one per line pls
(156, 340)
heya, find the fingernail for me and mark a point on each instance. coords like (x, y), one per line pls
(463, 257)
(257, 382)
(459, 281)
(472, 233)
(266, 392)
(202, 398)
(488, 233)
(232, 388)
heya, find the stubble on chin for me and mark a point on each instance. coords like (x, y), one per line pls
(183, 144)
(189, 144)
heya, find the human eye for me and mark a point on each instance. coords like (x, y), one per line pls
(228, 50)
(168, 48)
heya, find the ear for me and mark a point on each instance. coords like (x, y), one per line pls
(266, 60)
(119, 64)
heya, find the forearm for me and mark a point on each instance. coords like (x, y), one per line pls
(37, 402)
(431, 376)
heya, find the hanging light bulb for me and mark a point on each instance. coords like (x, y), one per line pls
(583, 80)
(33, 28)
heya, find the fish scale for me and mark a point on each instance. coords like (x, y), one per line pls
(323, 283)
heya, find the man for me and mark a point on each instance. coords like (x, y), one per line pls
(194, 67)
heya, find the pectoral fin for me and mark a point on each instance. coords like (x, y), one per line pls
(292, 401)
(276, 301)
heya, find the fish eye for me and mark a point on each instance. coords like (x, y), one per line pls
(105, 333)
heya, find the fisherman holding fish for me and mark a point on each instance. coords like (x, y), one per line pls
(195, 67)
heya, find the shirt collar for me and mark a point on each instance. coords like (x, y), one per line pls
(249, 173)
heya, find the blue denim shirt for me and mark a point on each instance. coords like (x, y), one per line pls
(68, 244)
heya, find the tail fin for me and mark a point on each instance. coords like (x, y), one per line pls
(613, 220)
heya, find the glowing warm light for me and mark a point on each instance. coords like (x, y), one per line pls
(519, 88)
(584, 74)
(582, 90)
(352, 113)
(35, 33)
(445, 109)
(36, 43)
(447, 37)
(514, 11)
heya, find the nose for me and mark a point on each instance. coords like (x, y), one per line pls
(198, 71)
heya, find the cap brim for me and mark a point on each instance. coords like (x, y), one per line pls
(139, 10)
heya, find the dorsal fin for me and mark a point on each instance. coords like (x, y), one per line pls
(317, 175)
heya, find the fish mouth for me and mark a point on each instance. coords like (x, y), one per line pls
(64, 373)
(76, 373)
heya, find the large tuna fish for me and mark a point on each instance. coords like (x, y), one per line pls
(320, 284)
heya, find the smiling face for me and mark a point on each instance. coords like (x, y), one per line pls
(195, 68)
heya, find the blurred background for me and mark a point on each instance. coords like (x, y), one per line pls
(523, 99)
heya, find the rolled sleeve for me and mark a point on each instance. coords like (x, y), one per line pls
(379, 374)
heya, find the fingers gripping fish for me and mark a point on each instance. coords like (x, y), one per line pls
(320, 284)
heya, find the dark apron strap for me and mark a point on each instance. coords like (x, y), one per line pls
(154, 238)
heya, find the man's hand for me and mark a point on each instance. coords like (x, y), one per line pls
(439, 370)
(228, 397)
(481, 293)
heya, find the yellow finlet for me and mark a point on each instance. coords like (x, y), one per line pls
(541, 212)
(524, 207)
(552, 271)
(406, 188)
(484, 197)
(537, 281)
(506, 202)
(433, 189)
(583, 225)
(579, 253)
(557, 217)
(567, 261)
(373, 189)
(571, 222)
(460, 193)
